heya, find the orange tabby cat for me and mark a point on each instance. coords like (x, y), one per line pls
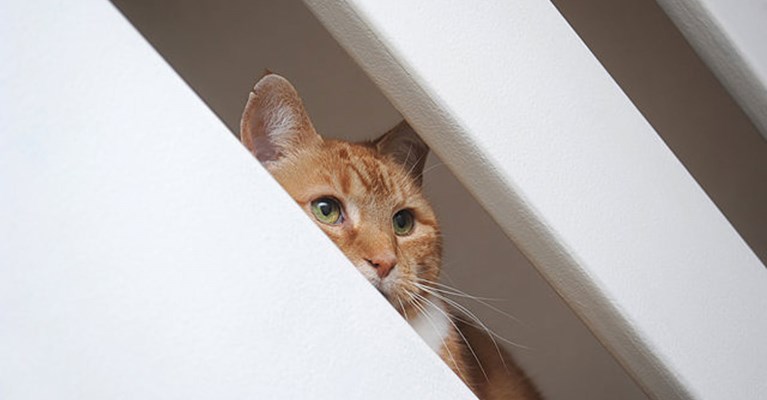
(367, 198)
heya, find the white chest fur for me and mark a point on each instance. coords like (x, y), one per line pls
(433, 324)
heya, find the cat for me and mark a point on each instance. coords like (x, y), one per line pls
(367, 198)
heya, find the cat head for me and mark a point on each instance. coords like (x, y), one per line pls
(366, 197)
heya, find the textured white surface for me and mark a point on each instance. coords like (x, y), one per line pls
(729, 35)
(519, 109)
(144, 254)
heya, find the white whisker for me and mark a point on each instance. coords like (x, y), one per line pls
(463, 337)
(456, 292)
(445, 289)
(490, 333)
(402, 307)
(459, 307)
(430, 168)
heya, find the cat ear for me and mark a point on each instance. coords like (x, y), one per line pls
(404, 146)
(274, 120)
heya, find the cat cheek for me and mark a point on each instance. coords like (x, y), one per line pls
(425, 272)
(334, 233)
(427, 269)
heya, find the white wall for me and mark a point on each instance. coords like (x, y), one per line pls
(536, 129)
(143, 251)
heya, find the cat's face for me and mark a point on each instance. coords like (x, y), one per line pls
(366, 197)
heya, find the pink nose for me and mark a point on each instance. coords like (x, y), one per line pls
(383, 263)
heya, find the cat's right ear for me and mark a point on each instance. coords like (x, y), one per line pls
(274, 120)
(404, 146)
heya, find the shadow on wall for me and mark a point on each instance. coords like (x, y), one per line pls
(221, 49)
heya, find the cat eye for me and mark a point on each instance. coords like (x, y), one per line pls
(403, 222)
(327, 210)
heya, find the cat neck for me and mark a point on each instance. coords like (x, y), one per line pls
(432, 323)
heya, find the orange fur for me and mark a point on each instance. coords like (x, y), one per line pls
(372, 181)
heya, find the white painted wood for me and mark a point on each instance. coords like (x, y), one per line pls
(523, 114)
(729, 35)
(144, 253)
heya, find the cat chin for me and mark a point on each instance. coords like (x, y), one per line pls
(386, 290)
(382, 288)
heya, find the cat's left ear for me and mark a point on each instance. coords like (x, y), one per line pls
(274, 121)
(404, 146)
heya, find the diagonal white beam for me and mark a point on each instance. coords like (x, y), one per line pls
(525, 116)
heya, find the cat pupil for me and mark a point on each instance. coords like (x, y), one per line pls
(325, 208)
(399, 219)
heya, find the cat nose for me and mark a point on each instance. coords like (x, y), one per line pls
(383, 263)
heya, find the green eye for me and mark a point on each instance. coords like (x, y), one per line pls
(327, 210)
(403, 222)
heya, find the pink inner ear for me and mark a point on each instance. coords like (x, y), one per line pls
(258, 128)
(265, 150)
(274, 118)
(404, 145)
